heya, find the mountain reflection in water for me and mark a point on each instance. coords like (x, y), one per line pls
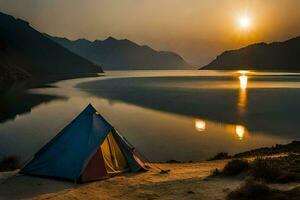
(259, 105)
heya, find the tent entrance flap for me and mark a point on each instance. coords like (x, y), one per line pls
(113, 157)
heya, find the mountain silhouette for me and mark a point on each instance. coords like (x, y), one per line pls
(260, 56)
(26, 53)
(9, 73)
(113, 54)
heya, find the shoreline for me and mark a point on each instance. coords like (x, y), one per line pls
(184, 181)
(193, 180)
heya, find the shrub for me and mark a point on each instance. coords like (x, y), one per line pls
(250, 190)
(235, 167)
(277, 170)
(220, 156)
(260, 191)
(9, 163)
(265, 169)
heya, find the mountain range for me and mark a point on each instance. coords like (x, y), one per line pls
(26, 53)
(114, 54)
(260, 56)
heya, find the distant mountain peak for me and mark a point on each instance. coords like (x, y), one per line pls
(110, 39)
(123, 54)
(260, 56)
(81, 40)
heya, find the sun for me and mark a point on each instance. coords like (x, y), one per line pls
(245, 22)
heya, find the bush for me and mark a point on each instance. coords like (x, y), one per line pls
(277, 170)
(220, 156)
(250, 190)
(235, 167)
(260, 191)
(265, 169)
(9, 163)
(287, 177)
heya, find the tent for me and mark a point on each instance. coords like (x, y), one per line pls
(87, 149)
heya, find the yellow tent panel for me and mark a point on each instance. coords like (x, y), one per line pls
(114, 159)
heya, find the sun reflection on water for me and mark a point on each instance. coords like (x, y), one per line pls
(243, 72)
(243, 82)
(242, 100)
(200, 125)
(240, 131)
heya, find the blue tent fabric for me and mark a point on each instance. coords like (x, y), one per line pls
(67, 154)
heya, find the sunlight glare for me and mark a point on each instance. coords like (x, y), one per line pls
(243, 72)
(245, 22)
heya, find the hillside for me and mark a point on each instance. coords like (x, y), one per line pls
(10, 73)
(25, 51)
(113, 54)
(260, 56)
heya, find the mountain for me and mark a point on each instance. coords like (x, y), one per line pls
(260, 56)
(9, 72)
(113, 54)
(10, 75)
(26, 52)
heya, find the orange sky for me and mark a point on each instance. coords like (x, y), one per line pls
(196, 29)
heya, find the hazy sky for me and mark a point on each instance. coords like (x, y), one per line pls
(196, 29)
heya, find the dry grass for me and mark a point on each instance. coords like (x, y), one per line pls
(251, 190)
(275, 169)
(279, 170)
(233, 168)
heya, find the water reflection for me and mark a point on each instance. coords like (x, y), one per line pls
(14, 103)
(240, 131)
(200, 125)
(242, 101)
(273, 117)
(243, 82)
(213, 100)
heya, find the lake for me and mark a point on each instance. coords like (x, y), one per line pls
(181, 115)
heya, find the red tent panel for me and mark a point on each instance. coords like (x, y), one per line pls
(95, 169)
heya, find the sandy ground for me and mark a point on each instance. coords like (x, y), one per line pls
(184, 181)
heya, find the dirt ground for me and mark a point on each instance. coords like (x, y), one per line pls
(184, 181)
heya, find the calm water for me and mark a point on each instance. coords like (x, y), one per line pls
(181, 115)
